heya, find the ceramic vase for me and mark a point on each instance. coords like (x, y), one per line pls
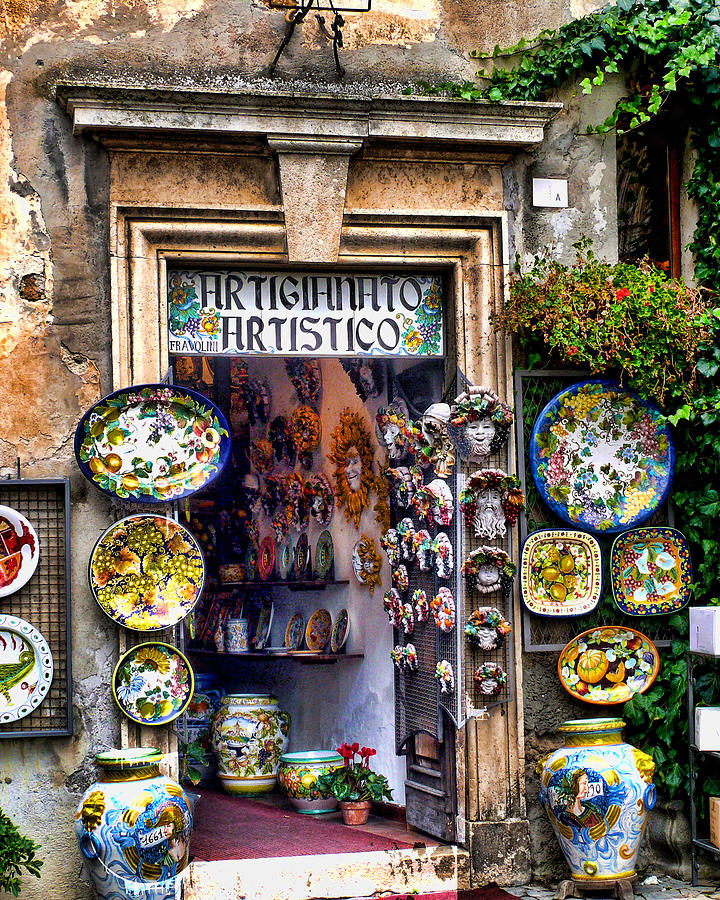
(597, 791)
(237, 636)
(249, 735)
(298, 775)
(134, 826)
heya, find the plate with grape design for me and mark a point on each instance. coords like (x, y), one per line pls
(602, 457)
(651, 571)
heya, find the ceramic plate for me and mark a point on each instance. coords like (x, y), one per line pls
(340, 632)
(650, 571)
(294, 632)
(601, 457)
(561, 572)
(26, 668)
(153, 683)
(324, 555)
(266, 558)
(285, 558)
(146, 572)
(608, 664)
(19, 550)
(302, 556)
(152, 443)
(262, 632)
(317, 631)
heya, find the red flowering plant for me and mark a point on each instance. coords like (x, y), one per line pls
(355, 780)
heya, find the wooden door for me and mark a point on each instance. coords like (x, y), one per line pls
(430, 784)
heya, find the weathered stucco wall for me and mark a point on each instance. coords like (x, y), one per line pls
(54, 263)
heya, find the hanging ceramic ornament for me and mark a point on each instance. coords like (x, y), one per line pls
(273, 490)
(443, 554)
(411, 658)
(19, 550)
(397, 655)
(322, 501)
(390, 429)
(650, 571)
(443, 608)
(258, 400)
(407, 618)
(445, 675)
(443, 506)
(306, 430)
(298, 500)
(423, 547)
(389, 543)
(352, 453)
(489, 569)
(490, 678)
(486, 628)
(561, 572)
(400, 579)
(421, 605)
(406, 539)
(438, 448)
(306, 377)
(262, 456)
(366, 562)
(392, 604)
(403, 482)
(490, 501)
(367, 376)
(281, 437)
(479, 424)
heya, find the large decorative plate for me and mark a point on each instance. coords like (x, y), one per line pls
(153, 683)
(266, 558)
(285, 556)
(608, 664)
(561, 572)
(650, 571)
(19, 550)
(146, 572)
(324, 555)
(302, 556)
(152, 443)
(340, 632)
(317, 630)
(601, 457)
(26, 668)
(294, 632)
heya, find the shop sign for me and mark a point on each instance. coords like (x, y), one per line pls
(304, 314)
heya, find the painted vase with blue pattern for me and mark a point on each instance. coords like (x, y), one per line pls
(134, 826)
(597, 791)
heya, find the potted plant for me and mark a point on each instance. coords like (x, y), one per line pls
(17, 852)
(355, 785)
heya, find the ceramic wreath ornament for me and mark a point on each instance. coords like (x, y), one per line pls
(421, 605)
(443, 609)
(479, 424)
(445, 676)
(433, 502)
(487, 628)
(389, 543)
(390, 429)
(443, 554)
(423, 547)
(489, 569)
(393, 606)
(406, 539)
(490, 501)
(490, 678)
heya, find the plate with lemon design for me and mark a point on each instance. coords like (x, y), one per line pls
(561, 572)
(153, 683)
(152, 443)
(146, 572)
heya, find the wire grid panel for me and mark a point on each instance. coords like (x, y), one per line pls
(44, 601)
(533, 390)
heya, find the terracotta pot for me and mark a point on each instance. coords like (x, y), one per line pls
(355, 812)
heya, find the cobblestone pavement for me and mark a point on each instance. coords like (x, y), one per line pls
(654, 887)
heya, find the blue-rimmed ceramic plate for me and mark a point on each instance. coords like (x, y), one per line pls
(152, 443)
(650, 571)
(601, 456)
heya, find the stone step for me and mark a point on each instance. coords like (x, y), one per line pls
(432, 870)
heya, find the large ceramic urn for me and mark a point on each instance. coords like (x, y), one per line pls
(597, 791)
(133, 826)
(249, 735)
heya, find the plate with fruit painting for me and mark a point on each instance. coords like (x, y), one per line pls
(608, 664)
(152, 443)
(650, 571)
(602, 457)
(153, 683)
(561, 572)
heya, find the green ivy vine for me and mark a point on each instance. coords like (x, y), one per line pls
(669, 53)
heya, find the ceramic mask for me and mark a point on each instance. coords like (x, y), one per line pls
(490, 517)
(353, 470)
(479, 435)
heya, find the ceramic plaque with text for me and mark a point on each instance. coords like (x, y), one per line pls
(651, 572)
(561, 572)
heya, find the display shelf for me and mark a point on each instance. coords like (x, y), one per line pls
(311, 658)
(306, 585)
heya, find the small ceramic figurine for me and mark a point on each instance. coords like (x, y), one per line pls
(490, 501)
(443, 553)
(400, 578)
(352, 453)
(489, 569)
(438, 446)
(479, 424)
(366, 562)
(445, 675)
(407, 618)
(390, 429)
(406, 539)
(421, 605)
(389, 543)
(443, 607)
(490, 678)
(423, 547)
(486, 628)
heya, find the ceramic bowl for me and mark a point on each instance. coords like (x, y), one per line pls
(298, 775)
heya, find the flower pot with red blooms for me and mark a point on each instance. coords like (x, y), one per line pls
(355, 785)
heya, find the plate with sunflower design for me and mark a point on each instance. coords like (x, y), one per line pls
(146, 572)
(153, 683)
(152, 443)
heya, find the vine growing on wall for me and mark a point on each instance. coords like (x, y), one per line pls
(669, 52)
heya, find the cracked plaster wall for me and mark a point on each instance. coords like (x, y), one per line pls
(54, 283)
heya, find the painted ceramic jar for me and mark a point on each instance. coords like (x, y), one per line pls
(249, 735)
(237, 636)
(597, 791)
(298, 775)
(134, 826)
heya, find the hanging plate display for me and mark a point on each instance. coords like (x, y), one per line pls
(19, 550)
(294, 632)
(146, 572)
(650, 571)
(608, 664)
(302, 556)
(601, 456)
(317, 630)
(153, 683)
(285, 557)
(152, 443)
(561, 572)
(26, 668)
(266, 558)
(340, 632)
(262, 632)
(324, 555)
